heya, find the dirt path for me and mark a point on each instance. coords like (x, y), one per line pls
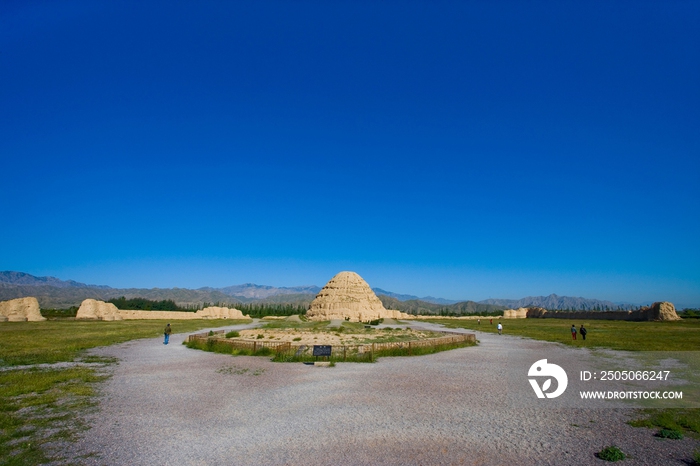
(169, 405)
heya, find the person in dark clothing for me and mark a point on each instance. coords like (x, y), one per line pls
(583, 331)
(167, 333)
(573, 332)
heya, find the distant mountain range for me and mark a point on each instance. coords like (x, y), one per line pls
(253, 291)
(408, 297)
(21, 278)
(554, 302)
(416, 306)
(55, 293)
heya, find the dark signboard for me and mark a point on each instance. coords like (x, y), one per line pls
(322, 350)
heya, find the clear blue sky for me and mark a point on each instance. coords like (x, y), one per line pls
(463, 150)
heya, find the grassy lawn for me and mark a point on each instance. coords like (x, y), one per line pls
(63, 340)
(38, 406)
(619, 335)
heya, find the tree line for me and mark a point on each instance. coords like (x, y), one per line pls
(271, 309)
(143, 304)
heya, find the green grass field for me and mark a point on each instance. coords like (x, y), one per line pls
(63, 340)
(38, 406)
(614, 334)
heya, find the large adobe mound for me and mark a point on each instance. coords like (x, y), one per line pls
(662, 311)
(20, 310)
(92, 309)
(659, 311)
(520, 313)
(347, 295)
(214, 312)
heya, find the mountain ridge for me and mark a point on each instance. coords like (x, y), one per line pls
(54, 292)
(409, 297)
(556, 302)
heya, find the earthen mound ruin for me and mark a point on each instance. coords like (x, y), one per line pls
(92, 309)
(21, 310)
(662, 311)
(520, 313)
(347, 296)
(214, 312)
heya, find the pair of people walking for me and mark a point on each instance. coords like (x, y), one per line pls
(582, 331)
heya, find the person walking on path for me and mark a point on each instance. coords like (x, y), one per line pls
(573, 332)
(478, 321)
(583, 331)
(167, 333)
(500, 328)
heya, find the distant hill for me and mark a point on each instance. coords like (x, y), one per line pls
(408, 297)
(21, 278)
(555, 302)
(296, 298)
(61, 298)
(253, 291)
(52, 292)
(415, 306)
(55, 293)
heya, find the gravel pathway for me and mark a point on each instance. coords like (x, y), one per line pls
(169, 405)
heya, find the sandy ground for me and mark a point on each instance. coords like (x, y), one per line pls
(169, 405)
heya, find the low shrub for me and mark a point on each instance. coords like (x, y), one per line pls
(670, 434)
(611, 453)
(696, 457)
(264, 351)
(218, 346)
(297, 339)
(350, 357)
(260, 336)
(677, 419)
(421, 350)
(233, 334)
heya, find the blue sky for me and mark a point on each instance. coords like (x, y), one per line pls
(463, 150)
